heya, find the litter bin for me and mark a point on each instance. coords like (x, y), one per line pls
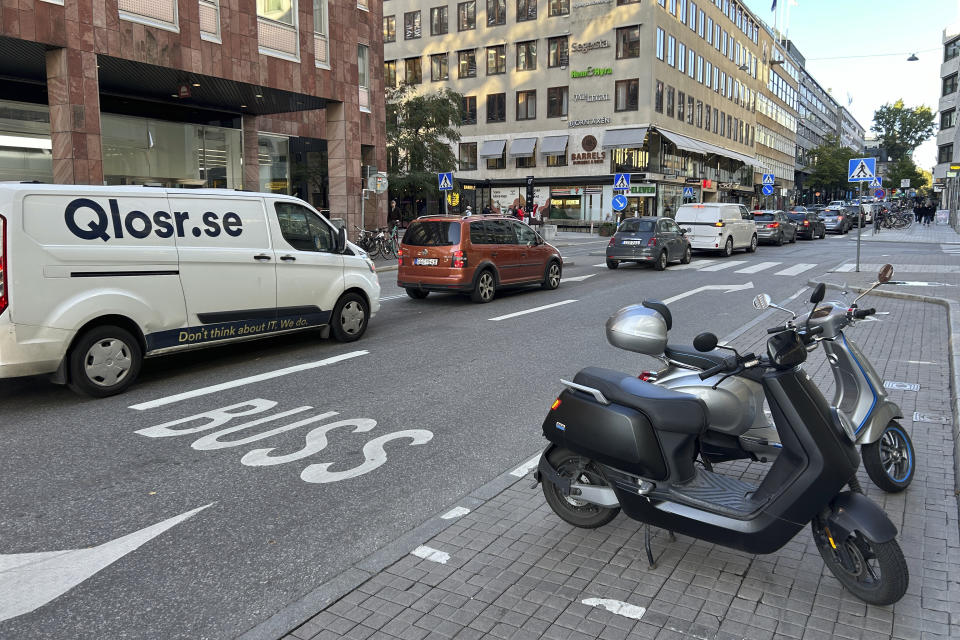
(548, 231)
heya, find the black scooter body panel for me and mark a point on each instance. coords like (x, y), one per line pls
(612, 434)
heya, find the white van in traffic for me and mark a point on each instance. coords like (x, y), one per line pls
(93, 278)
(718, 226)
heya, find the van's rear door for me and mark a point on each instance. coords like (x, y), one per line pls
(701, 224)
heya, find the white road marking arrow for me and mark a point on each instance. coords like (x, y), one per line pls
(579, 278)
(710, 287)
(30, 580)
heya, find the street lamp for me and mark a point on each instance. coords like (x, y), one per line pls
(913, 58)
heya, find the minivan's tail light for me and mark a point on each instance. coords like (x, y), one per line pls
(806, 223)
(4, 299)
(610, 244)
(459, 259)
(399, 257)
(773, 225)
(652, 242)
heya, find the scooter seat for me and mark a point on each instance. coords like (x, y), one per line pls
(666, 409)
(693, 358)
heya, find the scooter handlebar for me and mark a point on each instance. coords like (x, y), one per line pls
(776, 329)
(712, 371)
(863, 313)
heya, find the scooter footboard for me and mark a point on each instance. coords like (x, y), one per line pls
(850, 512)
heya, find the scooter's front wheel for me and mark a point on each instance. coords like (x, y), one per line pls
(890, 461)
(875, 572)
(576, 512)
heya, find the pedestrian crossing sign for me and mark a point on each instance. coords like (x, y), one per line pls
(877, 183)
(861, 169)
(768, 179)
(446, 181)
(688, 192)
(621, 181)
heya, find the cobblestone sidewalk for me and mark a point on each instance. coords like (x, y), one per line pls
(510, 568)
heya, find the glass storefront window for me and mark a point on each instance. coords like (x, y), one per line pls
(25, 147)
(278, 10)
(669, 199)
(274, 164)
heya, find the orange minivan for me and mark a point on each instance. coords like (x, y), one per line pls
(475, 255)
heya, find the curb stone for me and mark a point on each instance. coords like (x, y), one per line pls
(953, 346)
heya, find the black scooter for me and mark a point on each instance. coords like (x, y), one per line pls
(620, 443)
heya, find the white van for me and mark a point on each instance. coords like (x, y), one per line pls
(718, 226)
(93, 278)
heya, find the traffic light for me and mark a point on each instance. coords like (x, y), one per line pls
(530, 204)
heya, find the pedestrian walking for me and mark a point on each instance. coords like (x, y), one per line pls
(469, 211)
(877, 219)
(931, 211)
(918, 213)
(486, 209)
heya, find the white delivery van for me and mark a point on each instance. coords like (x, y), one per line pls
(93, 278)
(718, 226)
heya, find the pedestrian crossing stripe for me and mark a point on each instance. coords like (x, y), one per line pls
(861, 172)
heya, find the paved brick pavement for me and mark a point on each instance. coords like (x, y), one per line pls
(927, 234)
(515, 570)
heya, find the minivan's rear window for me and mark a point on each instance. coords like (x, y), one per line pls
(636, 226)
(797, 216)
(763, 216)
(432, 233)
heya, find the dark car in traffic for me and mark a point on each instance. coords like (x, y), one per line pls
(836, 220)
(774, 226)
(657, 241)
(809, 225)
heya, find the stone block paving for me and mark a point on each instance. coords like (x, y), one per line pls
(927, 234)
(517, 571)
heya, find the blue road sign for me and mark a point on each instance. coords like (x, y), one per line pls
(861, 169)
(880, 194)
(689, 193)
(619, 202)
(446, 181)
(876, 183)
(768, 190)
(768, 179)
(621, 181)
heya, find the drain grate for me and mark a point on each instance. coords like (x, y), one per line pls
(900, 386)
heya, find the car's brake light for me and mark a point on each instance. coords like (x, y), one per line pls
(773, 225)
(459, 259)
(4, 299)
(839, 217)
(652, 242)
(610, 244)
(399, 257)
(806, 223)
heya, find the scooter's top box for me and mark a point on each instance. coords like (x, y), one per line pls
(638, 329)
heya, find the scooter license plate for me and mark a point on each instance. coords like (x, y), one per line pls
(427, 262)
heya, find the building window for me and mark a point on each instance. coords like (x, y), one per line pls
(700, 69)
(627, 95)
(468, 156)
(559, 8)
(321, 46)
(411, 68)
(411, 25)
(467, 63)
(467, 15)
(948, 118)
(620, 2)
(658, 98)
(708, 74)
(682, 50)
(715, 119)
(729, 127)
(951, 50)
(527, 55)
(438, 21)
(628, 42)
(706, 118)
(557, 102)
(681, 108)
(557, 52)
(689, 109)
(672, 51)
(276, 10)
(527, 105)
(498, 163)
(659, 43)
(529, 162)
(670, 98)
(691, 56)
(438, 67)
(468, 110)
(496, 12)
(723, 120)
(945, 153)
(950, 84)
(496, 59)
(497, 107)
(389, 28)
(390, 73)
(526, 10)
(557, 161)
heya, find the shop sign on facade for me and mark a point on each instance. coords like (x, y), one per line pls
(708, 184)
(586, 47)
(592, 72)
(645, 190)
(591, 97)
(595, 157)
(590, 3)
(566, 191)
(589, 122)
(501, 198)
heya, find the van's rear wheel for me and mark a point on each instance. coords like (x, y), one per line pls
(485, 288)
(104, 361)
(350, 316)
(753, 244)
(728, 248)
(570, 509)
(417, 294)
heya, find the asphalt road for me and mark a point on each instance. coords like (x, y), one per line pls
(440, 399)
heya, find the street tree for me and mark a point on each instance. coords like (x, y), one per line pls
(829, 164)
(420, 131)
(904, 169)
(902, 129)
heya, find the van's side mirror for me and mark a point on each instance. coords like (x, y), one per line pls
(683, 232)
(341, 239)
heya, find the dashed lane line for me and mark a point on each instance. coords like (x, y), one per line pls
(534, 310)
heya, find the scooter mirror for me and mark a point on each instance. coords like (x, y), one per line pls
(886, 273)
(761, 302)
(705, 342)
(817, 296)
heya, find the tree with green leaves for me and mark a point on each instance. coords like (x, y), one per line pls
(420, 131)
(903, 169)
(902, 129)
(829, 164)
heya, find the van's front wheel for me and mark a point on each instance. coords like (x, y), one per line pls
(104, 361)
(350, 316)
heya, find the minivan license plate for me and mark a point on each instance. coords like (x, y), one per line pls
(428, 262)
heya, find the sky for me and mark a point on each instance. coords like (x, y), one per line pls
(828, 32)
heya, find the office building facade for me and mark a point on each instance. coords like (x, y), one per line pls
(946, 171)
(274, 95)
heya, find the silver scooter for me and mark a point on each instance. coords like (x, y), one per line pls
(740, 429)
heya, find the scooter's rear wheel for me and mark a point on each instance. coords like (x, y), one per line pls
(576, 512)
(890, 461)
(875, 572)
